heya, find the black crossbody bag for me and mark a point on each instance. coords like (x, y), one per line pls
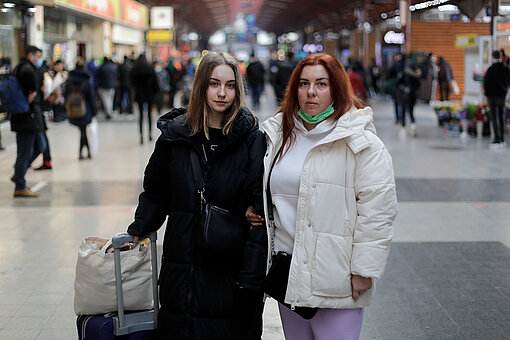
(221, 231)
(277, 279)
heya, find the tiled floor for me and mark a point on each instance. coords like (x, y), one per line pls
(448, 274)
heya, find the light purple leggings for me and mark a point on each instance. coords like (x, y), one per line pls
(327, 324)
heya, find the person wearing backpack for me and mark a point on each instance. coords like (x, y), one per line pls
(80, 103)
(29, 126)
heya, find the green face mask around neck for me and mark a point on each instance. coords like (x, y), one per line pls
(318, 118)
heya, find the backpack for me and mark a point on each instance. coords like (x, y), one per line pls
(404, 88)
(76, 106)
(12, 97)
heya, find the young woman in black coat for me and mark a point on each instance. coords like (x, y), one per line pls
(80, 78)
(207, 294)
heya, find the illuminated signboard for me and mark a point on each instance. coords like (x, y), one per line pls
(127, 12)
(392, 37)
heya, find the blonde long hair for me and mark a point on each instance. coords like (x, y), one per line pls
(196, 115)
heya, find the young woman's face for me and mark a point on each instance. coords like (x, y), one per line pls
(314, 93)
(221, 91)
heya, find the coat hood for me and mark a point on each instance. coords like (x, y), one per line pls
(173, 125)
(351, 126)
(79, 74)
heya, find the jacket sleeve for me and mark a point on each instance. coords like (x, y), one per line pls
(151, 213)
(376, 203)
(253, 267)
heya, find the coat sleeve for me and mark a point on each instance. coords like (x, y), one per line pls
(253, 267)
(376, 203)
(151, 213)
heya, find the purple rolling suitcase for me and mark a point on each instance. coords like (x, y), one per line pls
(123, 326)
(100, 327)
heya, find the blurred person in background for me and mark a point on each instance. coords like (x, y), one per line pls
(398, 66)
(81, 81)
(285, 69)
(174, 69)
(357, 84)
(444, 77)
(255, 77)
(164, 85)
(53, 99)
(29, 126)
(375, 75)
(496, 81)
(126, 104)
(408, 83)
(106, 76)
(145, 83)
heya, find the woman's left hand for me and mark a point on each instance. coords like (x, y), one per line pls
(252, 217)
(360, 285)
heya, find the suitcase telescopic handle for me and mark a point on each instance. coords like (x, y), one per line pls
(117, 242)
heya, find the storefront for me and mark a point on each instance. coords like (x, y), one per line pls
(95, 28)
(126, 41)
(12, 35)
(66, 35)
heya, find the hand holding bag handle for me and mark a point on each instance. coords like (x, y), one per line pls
(140, 321)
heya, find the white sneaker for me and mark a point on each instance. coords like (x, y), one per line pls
(413, 130)
(402, 132)
(495, 146)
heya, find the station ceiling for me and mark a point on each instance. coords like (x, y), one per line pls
(278, 16)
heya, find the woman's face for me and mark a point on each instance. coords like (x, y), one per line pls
(221, 91)
(314, 93)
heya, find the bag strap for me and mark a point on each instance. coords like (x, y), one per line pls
(197, 174)
(269, 201)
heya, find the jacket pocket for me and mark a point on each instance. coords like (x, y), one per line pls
(331, 273)
(327, 208)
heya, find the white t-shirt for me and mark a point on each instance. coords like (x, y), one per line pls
(285, 180)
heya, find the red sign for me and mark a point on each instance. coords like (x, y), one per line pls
(128, 12)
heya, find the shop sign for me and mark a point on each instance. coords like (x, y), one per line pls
(502, 25)
(162, 17)
(126, 35)
(127, 12)
(392, 37)
(465, 40)
(159, 37)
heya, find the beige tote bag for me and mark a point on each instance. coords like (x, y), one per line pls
(94, 285)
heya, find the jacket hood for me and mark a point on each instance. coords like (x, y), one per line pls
(351, 126)
(173, 125)
(79, 74)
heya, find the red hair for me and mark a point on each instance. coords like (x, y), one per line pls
(341, 92)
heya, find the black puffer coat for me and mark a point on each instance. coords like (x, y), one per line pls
(205, 295)
(30, 80)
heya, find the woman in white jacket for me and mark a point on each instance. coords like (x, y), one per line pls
(333, 195)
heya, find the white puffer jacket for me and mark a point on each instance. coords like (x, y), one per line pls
(346, 207)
